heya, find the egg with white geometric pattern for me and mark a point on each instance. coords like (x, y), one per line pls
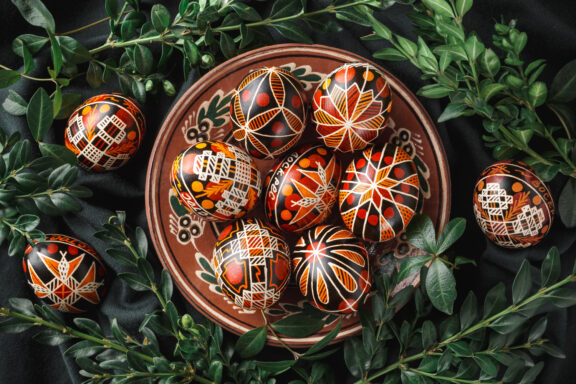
(66, 273)
(513, 207)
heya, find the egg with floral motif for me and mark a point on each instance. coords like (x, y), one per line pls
(105, 132)
(351, 107)
(379, 193)
(215, 180)
(268, 112)
(301, 190)
(65, 273)
(332, 269)
(513, 207)
(252, 263)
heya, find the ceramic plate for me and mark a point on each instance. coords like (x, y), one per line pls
(184, 243)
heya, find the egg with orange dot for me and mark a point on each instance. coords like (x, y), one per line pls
(379, 193)
(105, 132)
(332, 269)
(351, 107)
(513, 207)
(215, 180)
(268, 112)
(301, 190)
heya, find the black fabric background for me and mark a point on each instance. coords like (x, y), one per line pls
(551, 28)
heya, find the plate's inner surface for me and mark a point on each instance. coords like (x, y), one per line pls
(184, 243)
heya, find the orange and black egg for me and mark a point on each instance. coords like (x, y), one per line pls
(268, 112)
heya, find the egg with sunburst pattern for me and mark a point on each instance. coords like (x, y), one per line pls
(66, 273)
(331, 268)
(351, 107)
(268, 112)
(301, 190)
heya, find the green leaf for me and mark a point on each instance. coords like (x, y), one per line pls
(451, 233)
(567, 204)
(490, 90)
(490, 63)
(51, 337)
(191, 51)
(27, 223)
(355, 357)
(532, 373)
(538, 329)
(59, 153)
(408, 47)
(275, 367)
(56, 53)
(563, 88)
(421, 233)
(456, 52)
(8, 77)
(325, 340)
(508, 323)
(461, 348)
(135, 281)
(434, 91)
(166, 285)
(73, 51)
(136, 362)
(21, 305)
(160, 16)
(298, 325)
(28, 42)
(35, 13)
(441, 7)
(146, 270)
(412, 265)
(468, 311)
(441, 287)
(84, 348)
(39, 114)
(292, 32)
(495, 300)
(562, 297)
(143, 59)
(139, 91)
(474, 48)
(112, 8)
(251, 343)
(14, 326)
(551, 267)
(522, 283)
(94, 75)
(487, 365)
(463, 6)
(537, 93)
(355, 15)
(15, 104)
(453, 110)
(65, 202)
(429, 334)
(141, 242)
(227, 45)
(390, 54)
(380, 29)
(245, 12)
(282, 8)
(89, 326)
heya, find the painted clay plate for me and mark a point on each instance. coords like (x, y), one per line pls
(184, 243)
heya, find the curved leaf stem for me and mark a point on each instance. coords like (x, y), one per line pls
(450, 379)
(295, 354)
(47, 79)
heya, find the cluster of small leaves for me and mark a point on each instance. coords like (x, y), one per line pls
(494, 341)
(32, 186)
(493, 83)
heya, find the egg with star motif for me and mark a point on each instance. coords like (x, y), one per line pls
(215, 180)
(65, 273)
(105, 131)
(301, 190)
(332, 269)
(379, 193)
(268, 112)
(513, 207)
(351, 107)
(252, 263)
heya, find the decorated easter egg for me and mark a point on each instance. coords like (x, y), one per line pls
(331, 268)
(105, 131)
(512, 206)
(66, 273)
(268, 112)
(351, 107)
(379, 192)
(301, 190)
(252, 263)
(216, 180)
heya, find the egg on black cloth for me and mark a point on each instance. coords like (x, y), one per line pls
(215, 180)
(268, 112)
(332, 269)
(513, 207)
(105, 131)
(379, 193)
(65, 273)
(252, 263)
(351, 107)
(301, 190)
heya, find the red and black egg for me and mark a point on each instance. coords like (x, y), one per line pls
(351, 107)
(65, 273)
(332, 269)
(301, 190)
(268, 112)
(215, 180)
(379, 192)
(252, 263)
(105, 131)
